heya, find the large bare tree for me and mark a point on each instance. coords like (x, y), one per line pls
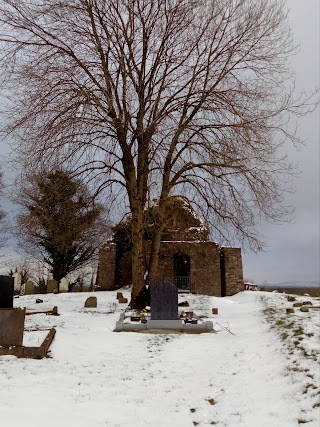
(157, 97)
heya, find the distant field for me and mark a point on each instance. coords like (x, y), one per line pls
(313, 291)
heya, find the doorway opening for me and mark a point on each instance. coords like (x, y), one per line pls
(182, 271)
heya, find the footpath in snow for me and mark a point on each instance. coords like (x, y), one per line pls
(96, 377)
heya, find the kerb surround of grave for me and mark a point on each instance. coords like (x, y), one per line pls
(12, 326)
(164, 314)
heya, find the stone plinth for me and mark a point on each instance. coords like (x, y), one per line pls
(167, 326)
(164, 324)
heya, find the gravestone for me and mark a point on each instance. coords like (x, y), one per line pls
(52, 286)
(164, 301)
(17, 282)
(6, 291)
(91, 302)
(64, 285)
(11, 326)
(29, 288)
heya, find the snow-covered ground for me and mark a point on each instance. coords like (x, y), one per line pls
(263, 374)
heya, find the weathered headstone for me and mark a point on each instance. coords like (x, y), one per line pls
(91, 302)
(11, 326)
(184, 304)
(119, 295)
(29, 288)
(52, 286)
(297, 304)
(6, 291)
(17, 282)
(164, 301)
(64, 285)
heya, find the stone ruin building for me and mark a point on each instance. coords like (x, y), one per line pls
(187, 258)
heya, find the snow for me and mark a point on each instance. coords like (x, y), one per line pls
(96, 377)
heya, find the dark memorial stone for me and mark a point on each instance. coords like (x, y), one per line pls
(11, 326)
(6, 291)
(164, 301)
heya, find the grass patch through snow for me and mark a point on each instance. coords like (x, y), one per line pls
(299, 334)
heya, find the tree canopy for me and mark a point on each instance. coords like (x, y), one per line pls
(59, 220)
(158, 97)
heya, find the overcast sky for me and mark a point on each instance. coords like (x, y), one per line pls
(293, 249)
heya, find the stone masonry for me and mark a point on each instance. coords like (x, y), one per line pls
(204, 264)
(210, 268)
(231, 271)
(107, 267)
(215, 270)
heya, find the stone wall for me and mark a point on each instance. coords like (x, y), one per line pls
(231, 269)
(214, 270)
(204, 264)
(107, 267)
(206, 269)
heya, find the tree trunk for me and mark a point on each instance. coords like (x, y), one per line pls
(154, 254)
(58, 272)
(138, 265)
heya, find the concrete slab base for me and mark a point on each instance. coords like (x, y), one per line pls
(164, 326)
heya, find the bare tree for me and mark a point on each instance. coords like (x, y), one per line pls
(157, 97)
(3, 226)
(23, 267)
